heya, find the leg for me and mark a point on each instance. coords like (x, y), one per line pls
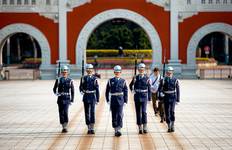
(161, 111)
(119, 120)
(61, 113)
(114, 116)
(144, 116)
(138, 116)
(172, 115)
(92, 117)
(154, 99)
(138, 113)
(87, 113)
(167, 113)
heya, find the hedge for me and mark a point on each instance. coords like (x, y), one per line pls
(147, 53)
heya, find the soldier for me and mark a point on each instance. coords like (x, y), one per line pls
(90, 88)
(170, 93)
(141, 86)
(155, 81)
(64, 89)
(116, 96)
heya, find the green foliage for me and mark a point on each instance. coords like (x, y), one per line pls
(111, 35)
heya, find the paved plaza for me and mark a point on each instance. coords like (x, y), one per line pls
(29, 119)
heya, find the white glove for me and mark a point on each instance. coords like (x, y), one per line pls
(96, 103)
(108, 103)
(125, 104)
(177, 103)
(57, 94)
(82, 93)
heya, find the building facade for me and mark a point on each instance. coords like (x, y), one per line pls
(62, 27)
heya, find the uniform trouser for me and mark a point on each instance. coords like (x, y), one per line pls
(117, 116)
(141, 112)
(161, 109)
(154, 99)
(89, 113)
(170, 111)
(63, 113)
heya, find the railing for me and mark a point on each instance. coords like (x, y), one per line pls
(29, 6)
(215, 73)
(209, 2)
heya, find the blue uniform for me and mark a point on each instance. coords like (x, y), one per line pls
(89, 86)
(64, 88)
(170, 88)
(117, 95)
(141, 86)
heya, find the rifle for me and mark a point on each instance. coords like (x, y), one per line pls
(164, 63)
(83, 66)
(135, 64)
(58, 74)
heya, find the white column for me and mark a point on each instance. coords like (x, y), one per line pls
(18, 49)
(62, 31)
(174, 34)
(226, 49)
(174, 38)
(8, 51)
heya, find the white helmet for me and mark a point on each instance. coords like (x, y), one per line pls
(170, 69)
(64, 68)
(141, 66)
(117, 68)
(89, 66)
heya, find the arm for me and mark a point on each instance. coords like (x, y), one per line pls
(125, 92)
(107, 91)
(177, 91)
(55, 86)
(131, 85)
(72, 91)
(97, 90)
(149, 89)
(81, 85)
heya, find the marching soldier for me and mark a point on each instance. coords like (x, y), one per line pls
(170, 93)
(64, 89)
(141, 86)
(117, 95)
(155, 81)
(90, 88)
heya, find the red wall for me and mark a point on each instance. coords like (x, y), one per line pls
(191, 25)
(46, 26)
(80, 16)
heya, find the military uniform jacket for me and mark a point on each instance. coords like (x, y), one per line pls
(142, 88)
(64, 88)
(170, 88)
(116, 91)
(89, 86)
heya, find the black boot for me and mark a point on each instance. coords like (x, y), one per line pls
(89, 129)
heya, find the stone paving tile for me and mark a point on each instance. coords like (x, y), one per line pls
(29, 120)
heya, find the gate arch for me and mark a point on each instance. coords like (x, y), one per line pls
(93, 23)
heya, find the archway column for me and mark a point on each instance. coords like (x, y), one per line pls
(62, 34)
(226, 49)
(174, 38)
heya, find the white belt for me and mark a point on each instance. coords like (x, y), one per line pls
(88, 92)
(117, 94)
(169, 92)
(64, 93)
(140, 91)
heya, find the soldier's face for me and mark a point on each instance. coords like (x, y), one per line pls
(169, 74)
(117, 74)
(141, 70)
(65, 73)
(89, 71)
